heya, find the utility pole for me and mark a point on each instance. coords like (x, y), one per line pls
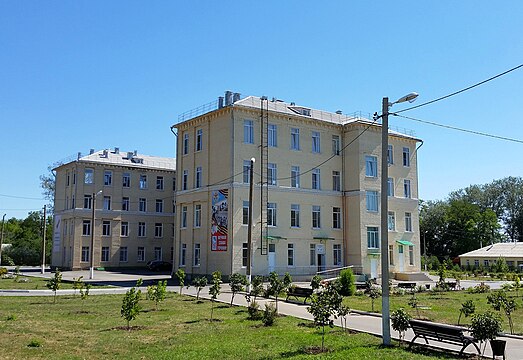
(2, 238)
(91, 257)
(43, 239)
(249, 231)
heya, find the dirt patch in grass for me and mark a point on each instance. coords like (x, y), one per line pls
(315, 350)
(130, 328)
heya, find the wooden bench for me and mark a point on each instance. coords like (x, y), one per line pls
(297, 292)
(452, 285)
(407, 285)
(442, 333)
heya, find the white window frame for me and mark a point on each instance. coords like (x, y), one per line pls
(291, 261)
(88, 201)
(124, 229)
(185, 149)
(407, 189)
(198, 178)
(159, 205)
(406, 157)
(391, 255)
(246, 171)
(372, 200)
(158, 230)
(336, 180)
(143, 181)
(199, 140)
(107, 202)
(140, 254)
(373, 237)
(142, 204)
(185, 180)
(272, 211)
(126, 203)
(371, 166)
(197, 255)
(183, 254)
(316, 142)
(312, 254)
(391, 221)
(245, 254)
(390, 155)
(408, 222)
(104, 254)
(197, 215)
(86, 227)
(295, 176)
(159, 183)
(411, 255)
(390, 187)
(142, 229)
(85, 254)
(124, 255)
(336, 217)
(106, 227)
(88, 176)
(245, 212)
(316, 179)
(337, 259)
(248, 132)
(272, 135)
(108, 178)
(295, 215)
(184, 217)
(126, 180)
(316, 217)
(336, 145)
(295, 139)
(272, 174)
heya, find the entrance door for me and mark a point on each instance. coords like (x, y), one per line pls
(373, 268)
(272, 257)
(321, 262)
(401, 258)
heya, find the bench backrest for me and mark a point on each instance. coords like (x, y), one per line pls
(300, 291)
(437, 331)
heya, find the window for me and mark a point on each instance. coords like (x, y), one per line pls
(126, 180)
(143, 181)
(89, 176)
(391, 254)
(336, 181)
(336, 145)
(197, 215)
(105, 253)
(245, 213)
(406, 156)
(123, 254)
(184, 216)
(108, 178)
(159, 205)
(372, 200)
(245, 254)
(142, 204)
(295, 139)
(158, 230)
(196, 255)
(371, 166)
(391, 221)
(74, 178)
(198, 178)
(390, 187)
(174, 183)
(390, 155)
(248, 132)
(158, 253)
(183, 254)
(141, 229)
(159, 183)
(106, 228)
(411, 255)
(88, 201)
(316, 179)
(125, 204)
(199, 139)
(73, 203)
(315, 142)
(68, 179)
(124, 229)
(272, 136)
(246, 171)
(185, 144)
(336, 218)
(290, 254)
(272, 173)
(295, 176)
(271, 214)
(107, 203)
(312, 254)
(185, 180)
(406, 188)
(86, 228)
(141, 254)
(408, 222)
(336, 254)
(295, 215)
(476, 263)
(85, 253)
(316, 216)
(373, 240)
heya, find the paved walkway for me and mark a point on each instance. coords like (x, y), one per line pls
(363, 322)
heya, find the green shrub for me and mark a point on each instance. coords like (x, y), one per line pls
(254, 311)
(3, 271)
(11, 318)
(400, 322)
(269, 315)
(481, 288)
(347, 282)
(35, 343)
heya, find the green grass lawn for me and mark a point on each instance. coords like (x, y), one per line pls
(72, 329)
(444, 307)
(33, 283)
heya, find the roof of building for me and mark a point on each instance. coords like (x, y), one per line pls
(512, 249)
(129, 159)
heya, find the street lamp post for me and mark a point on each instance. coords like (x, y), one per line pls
(91, 267)
(249, 231)
(385, 304)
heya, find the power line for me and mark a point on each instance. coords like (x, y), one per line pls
(22, 197)
(460, 129)
(462, 90)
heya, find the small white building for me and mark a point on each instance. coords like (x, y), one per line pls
(487, 256)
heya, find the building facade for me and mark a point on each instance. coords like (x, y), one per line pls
(511, 252)
(316, 191)
(133, 200)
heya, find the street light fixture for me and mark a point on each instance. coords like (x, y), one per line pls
(91, 267)
(385, 305)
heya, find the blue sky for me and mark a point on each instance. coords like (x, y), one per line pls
(77, 75)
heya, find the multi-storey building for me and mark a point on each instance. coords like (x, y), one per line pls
(316, 190)
(133, 202)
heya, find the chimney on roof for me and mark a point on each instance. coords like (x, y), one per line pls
(116, 150)
(129, 155)
(220, 102)
(105, 153)
(236, 97)
(339, 112)
(79, 155)
(228, 98)
(135, 152)
(91, 151)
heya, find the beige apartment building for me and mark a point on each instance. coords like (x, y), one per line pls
(134, 210)
(316, 190)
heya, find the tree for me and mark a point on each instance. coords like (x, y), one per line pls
(215, 288)
(500, 301)
(316, 282)
(374, 292)
(48, 185)
(157, 292)
(287, 280)
(276, 286)
(325, 305)
(84, 292)
(237, 283)
(78, 284)
(199, 283)
(131, 303)
(256, 287)
(347, 282)
(485, 327)
(180, 275)
(400, 322)
(54, 283)
(467, 308)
